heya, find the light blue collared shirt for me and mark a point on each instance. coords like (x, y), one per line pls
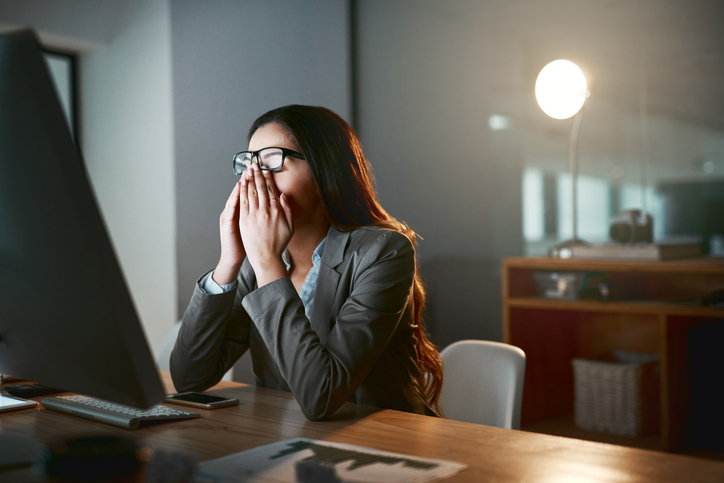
(306, 293)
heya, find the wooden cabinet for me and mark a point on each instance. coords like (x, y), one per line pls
(653, 307)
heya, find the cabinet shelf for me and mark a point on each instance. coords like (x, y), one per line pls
(631, 307)
(701, 265)
(553, 331)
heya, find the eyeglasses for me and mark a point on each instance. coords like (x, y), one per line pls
(267, 158)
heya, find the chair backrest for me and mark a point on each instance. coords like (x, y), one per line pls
(163, 355)
(483, 383)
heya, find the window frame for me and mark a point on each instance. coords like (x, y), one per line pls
(73, 103)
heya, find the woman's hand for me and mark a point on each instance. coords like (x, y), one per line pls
(265, 221)
(232, 248)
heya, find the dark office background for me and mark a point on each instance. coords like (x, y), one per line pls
(169, 88)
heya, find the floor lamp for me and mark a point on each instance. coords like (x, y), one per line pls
(561, 90)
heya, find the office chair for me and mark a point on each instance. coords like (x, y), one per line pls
(163, 355)
(483, 383)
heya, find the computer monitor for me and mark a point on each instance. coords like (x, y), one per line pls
(66, 316)
(693, 209)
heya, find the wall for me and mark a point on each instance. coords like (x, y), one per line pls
(431, 73)
(233, 61)
(427, 86)
(127, 129)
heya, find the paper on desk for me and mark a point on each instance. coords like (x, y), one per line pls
(307, 460)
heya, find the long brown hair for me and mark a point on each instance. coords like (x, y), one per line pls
(348, 195)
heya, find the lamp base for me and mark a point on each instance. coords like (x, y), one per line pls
(564, 249)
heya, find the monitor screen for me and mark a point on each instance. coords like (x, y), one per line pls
(66, 316)
(693, 209)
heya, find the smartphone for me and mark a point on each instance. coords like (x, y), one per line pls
(199, 400)
(9, 403)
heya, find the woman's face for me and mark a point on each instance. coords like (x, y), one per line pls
(294, 178)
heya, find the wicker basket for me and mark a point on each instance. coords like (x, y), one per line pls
(617, 398)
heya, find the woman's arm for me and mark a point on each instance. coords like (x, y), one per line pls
(214, 334)
(323, 377)
(232, 247)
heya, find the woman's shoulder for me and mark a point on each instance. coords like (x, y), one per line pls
(378, 238)
(373, 251)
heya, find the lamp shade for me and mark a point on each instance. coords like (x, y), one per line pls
(561, 89)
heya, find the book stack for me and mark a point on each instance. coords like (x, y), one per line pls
(636, 251)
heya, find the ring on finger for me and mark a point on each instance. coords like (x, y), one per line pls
(276, 200)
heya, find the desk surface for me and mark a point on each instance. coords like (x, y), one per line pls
(265, 416)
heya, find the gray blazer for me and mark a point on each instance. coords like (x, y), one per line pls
(359, 345)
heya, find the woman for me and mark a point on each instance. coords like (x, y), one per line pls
(314, 278)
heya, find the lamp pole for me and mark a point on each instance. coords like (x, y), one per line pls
(561, 90)
(573, 166)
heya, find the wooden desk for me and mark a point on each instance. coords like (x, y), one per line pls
(493, 454)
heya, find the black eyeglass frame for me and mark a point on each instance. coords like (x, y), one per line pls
(255, 154)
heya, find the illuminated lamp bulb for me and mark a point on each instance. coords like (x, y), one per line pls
(561, 89)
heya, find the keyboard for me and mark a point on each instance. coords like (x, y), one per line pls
(116, 414)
